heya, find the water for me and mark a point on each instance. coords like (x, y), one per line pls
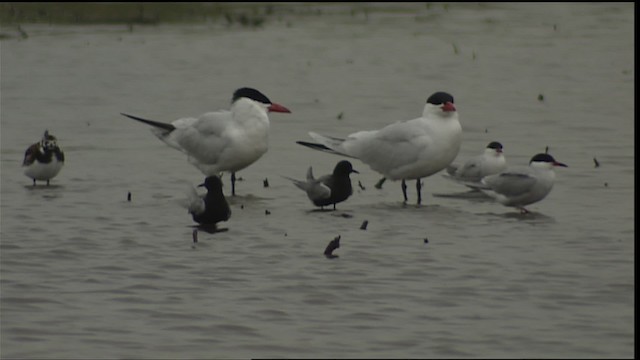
(86, 274)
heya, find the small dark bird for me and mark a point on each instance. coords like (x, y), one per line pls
(213, 208)
(44, 159)
(333, 244)
(328, 189)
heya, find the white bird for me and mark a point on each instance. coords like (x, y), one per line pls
(490, 162)
(224, 140)
(44, 159)
(523, 185)
(404, 150)
(328, 189)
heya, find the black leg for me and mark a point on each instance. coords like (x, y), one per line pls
(233, 184)
(47, 182)
(419, 189)
(334, 206)
(404, 190)
(34, 182)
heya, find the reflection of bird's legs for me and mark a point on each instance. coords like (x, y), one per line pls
(233, 184)
(404, 190)
(418, 189)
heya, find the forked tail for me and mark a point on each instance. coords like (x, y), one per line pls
(164, 126)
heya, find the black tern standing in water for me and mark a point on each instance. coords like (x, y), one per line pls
(44, 159)
(213, 208)
(328, 189)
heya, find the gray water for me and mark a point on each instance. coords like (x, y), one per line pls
(87, 274)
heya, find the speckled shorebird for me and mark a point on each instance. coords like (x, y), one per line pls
(44, 159)
(225, 140)
(328, 189)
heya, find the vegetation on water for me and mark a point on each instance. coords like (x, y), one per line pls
(240, 13)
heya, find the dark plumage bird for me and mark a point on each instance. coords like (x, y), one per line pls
(213, 208)
(44, 159)
(328, 189)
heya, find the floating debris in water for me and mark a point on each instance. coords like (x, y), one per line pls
(265, 182)
(364, 225)
(540, 97)
(546, 150)
(195, 235)
(361, 186)
(486, 130)
(606, 184)
(129, 196)
(339, 117)
(267, 212)
(426, 241)
(597, 164)
(333, 244)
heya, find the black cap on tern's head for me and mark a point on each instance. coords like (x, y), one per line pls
(546, 158)
(255, 95)
(344, 168)
(442, 98)
(252, 94)
(495, 145)
(212, 182)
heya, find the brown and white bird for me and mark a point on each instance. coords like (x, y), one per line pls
(44, 159)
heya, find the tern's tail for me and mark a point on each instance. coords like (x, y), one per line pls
(325, 143)
(167, 128)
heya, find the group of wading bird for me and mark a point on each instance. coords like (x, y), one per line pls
(230, 140)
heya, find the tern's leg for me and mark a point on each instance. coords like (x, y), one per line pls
(378, 185)
(47, 182)
(233, 184)
(404, 190)
(34, 182)
(418, 190)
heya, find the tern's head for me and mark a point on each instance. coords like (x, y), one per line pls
(443, 101)
(545, 161)
(344, 168)
(494, 147)
(257, 96)
(212, 183)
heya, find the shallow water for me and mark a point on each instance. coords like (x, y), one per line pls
(87, 274)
